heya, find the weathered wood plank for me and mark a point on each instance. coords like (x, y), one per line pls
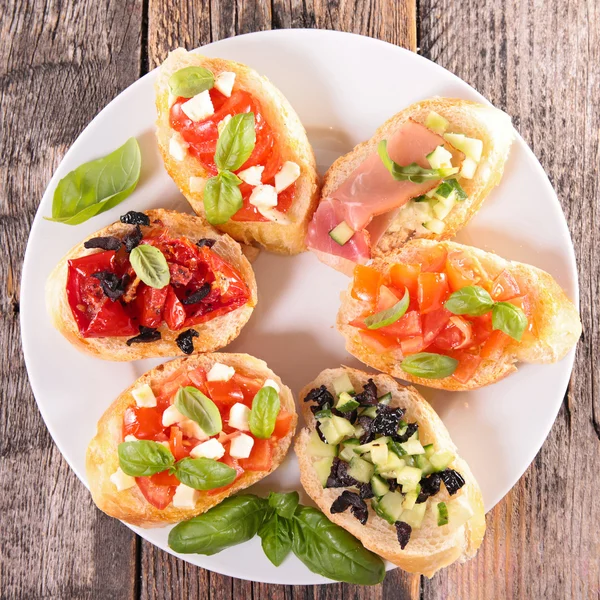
(60, 62)
(540, 62)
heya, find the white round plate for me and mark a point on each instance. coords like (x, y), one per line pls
(498, 429)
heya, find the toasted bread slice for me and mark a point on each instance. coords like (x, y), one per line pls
(213, 334)
(102, 458)
(556, 320)
(286, 237)
(430, 547)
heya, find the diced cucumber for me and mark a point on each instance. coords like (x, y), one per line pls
(321, 414)
(393, 465)
(441, 459)
(423, 210)
(379, 486)
(329, 431)
(379, 454)
(431, 193)
(442, 210)
(385, 399)
(316, 447)
(414, 516)
(375, 505)
(459, 511)
(471, 147)
(343, 426)
(370, 411)
(442, 514)
(414, 436)
(409, 460)
(343, 384)
(346, 403)
(323, 469)
(429, 450)
(436, 122)
(362, 448)
(422, 198)
(361, 470)
(423, 463)
(391, 505)
(409, 476)
(359, 431)
(440, 158)
(468, 168)
(459, 193)
(435, 225)
(347, 453)
(411, 498)
(341, 233)
(444, 190)
(412, 447)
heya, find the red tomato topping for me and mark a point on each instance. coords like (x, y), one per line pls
(458, 333)
(282, 424)
(412, 345)
(174, 312)
(495, 344)
(387, 298)
(143, 423)
(378, 342)
(367, 282)
(462, 270)
(406, 326)
(249, 386)
(467, 365)
(260, 458)
(432, 292)
(225, 392)
(178, 448)
(405, 276)
(433, 260)
(505, 287)
(157, 494)
(149, 304)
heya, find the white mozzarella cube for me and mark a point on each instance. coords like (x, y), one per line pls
(121, 480)
(172, 416)
(273, 384)
(197, 184)
(199, 107)
(274, 215)
(210, 449)
(220, 372)
(288, 173)
(185, 497)
(241, 446)
(177, 147)
(263, 196)
(144, 396)
(252, 175)
(223, 123)
(191, 429)
(224, 82)
(239, 416)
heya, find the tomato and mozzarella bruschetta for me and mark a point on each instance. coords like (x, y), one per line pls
(454, 317)
(158, 283)
(424, 174)
(188, 434)
(236, 149)
(378, 461)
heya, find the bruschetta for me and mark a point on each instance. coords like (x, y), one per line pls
(188, 434)
(454, 317)
(424, 174)
(236, 149)
(378, 461)
(156, 283)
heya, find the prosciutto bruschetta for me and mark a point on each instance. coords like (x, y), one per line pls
(157, 283)
(424, 174)
(187, 435)
(236, 149)
(454, 317)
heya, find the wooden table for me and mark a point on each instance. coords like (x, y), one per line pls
(61, 61)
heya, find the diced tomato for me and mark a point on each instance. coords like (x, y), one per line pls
(150, 302)
(110, 320)
(260, 458)
(467, 365)
(198, 378)
(482, 328)
(387, 298)
(524, 303)
(282, 424)
(406, 326)
(458, 333)
(178, 449)
(495, 344)
(160, 496)
(249, 386)
(405, 277)
(412, 345)
(366, 284)
(174, 312)
(378, 342)
(433, 260)
(143, 423)
(461, 270)
(230, 462)
(225, 392)
(505, 287)
(433, 323)
(171, 386)
(433, 291)
(164, 478)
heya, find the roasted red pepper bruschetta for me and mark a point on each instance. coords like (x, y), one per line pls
(188, 434)
(158, 283)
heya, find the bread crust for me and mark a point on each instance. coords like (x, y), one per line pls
(102, 459)
(431, 547)
(556, 320)
(289, 132)
(214, 334)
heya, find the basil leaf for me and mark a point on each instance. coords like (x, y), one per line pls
(196, 406)
(222, 197)
(265, 408)
(236, 142)
(143, 458)
(471, 300)
(510, 319)
(276, 538)
(429, 365)
(233, 521)
(189, 81)
(97, 186)
(150, 265)
(204, 473)
(390, 315)
(329, 550)
(284, 504)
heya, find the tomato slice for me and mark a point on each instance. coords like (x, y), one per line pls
(412, 345)
(178, 449)
(482, 328)
(378, 342)
(467, 366)
(164, 478)
(505, 287)
(433, 291)
(433, 260)
(249, 386)
(170, 386)
(160, 496)
(174, 312)
(110, 320)
(225, 392)
(282, 424)
(406, 326)
(260, 458)
(366, 284)
(198, 378)
(458, 333)
(461, 270)
(386, 299)
(143, 423)
(150, 302)
(405, 276)
(433, 323)
(495, 344)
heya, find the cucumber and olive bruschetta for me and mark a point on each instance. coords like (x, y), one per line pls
(157, 283)
(188, 434)
(236, 149)
(454, 317)
(378, 461)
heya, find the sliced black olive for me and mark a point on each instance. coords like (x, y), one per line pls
(403, 531)
(387, 420)
(198, 295)
(353, 501)
(135, 218)
(185, 340)
(430, 486)
(368, 397)
(411, 429)
(147, 334)
(206, 242)
(109, 242)
(365, 491)
(321, 397)
(112, 285)
(133, 238)
(338, 476)
(453, 480)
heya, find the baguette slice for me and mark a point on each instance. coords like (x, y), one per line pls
(102, 459)
(284, 238)
(431, 547)
(555, 317)
(213, 334)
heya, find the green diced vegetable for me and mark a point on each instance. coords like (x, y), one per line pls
(440, 158)
(322, 468)
(370, 411)
(361, 470)
(409, 476)
(414, 516)
(316, 447)
(342, 233)
(435, 225)
(343, 426)
(412, 447)
(346, 403)
(442, 516)
(423, 463)
(329, 431)
(343, 384)
(379, 486)
(436, 122)
(459, 511)
(441, 459)
(471, 147)
(411, 498)
(391, 505)
(429, 450)
(385, 399)
(379, 453)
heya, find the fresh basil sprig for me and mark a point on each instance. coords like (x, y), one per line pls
(284, 504)
(190, 81)
(204, 473)
(97, 186)
(276, 538)
(510, 319)
(471, 300)
(150, 265)
(390, 315)
(265, 408)
(222, 197)
(143, 458)
(429, 365)
(192, 403)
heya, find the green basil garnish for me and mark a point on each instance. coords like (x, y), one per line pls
(143, 458)
(390, 315)
(192, 403)
(265, 408)
(190, 81)
(233, 521)
(236, 142)
(471, 300)
(150, 265)
(204, 473)
(284, 504)
(97, 186)
(429, 365)
(276, 538)
(510, 319)
(222, 197)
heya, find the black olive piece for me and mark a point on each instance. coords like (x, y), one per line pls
(365, 491)
(133, 239)
(338, 476)
(206, 242)
(353, 501)
(367, 424)
(430, 486)
(147, 334)
(109, 242)
(135, 218)
(321, 396)
(411, 429)
(368, 397)
(453, 480)
(403, 531)
(198, 295)
(112, 285)
(387, 420)
(393, 483)
(185, 340)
